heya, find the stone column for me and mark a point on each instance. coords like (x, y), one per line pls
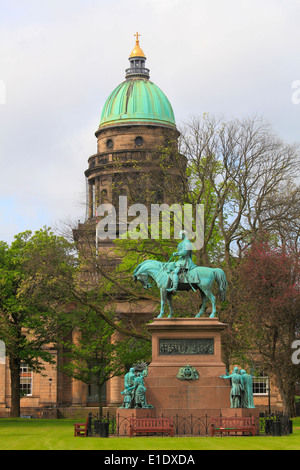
(116, 383)
(77, 386)
(90, 202)
(116, 387)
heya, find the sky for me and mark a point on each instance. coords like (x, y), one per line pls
(59, 61)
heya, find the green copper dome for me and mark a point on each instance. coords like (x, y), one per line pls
(137, 100)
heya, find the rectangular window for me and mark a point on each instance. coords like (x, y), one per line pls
(260, 384)
(25, 380)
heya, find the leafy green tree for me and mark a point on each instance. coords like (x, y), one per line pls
(32, 297)
(99, 354)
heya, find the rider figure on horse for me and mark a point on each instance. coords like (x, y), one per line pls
(184, 263)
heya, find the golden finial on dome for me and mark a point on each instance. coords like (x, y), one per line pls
(137, 51)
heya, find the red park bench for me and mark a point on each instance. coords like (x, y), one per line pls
(80, 429)
(151, 426)
(232, 425)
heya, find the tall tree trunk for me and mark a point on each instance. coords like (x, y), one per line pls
(100, 401)
(287, 394)
(14, 364)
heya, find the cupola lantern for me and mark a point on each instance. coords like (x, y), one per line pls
(137, 60)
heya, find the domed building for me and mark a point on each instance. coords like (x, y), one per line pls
(137, 122)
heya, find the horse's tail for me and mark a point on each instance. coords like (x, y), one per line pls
(222, 282)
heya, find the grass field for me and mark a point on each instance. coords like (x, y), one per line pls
(39, 434)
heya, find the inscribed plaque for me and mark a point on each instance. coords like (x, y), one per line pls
(199, 346)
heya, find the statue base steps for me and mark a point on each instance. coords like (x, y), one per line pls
(196, 422)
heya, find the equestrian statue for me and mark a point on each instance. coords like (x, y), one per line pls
(182, 275)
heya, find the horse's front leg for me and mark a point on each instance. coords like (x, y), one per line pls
(162, 302)
(169, 299)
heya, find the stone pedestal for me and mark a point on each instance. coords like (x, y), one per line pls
(177, 343)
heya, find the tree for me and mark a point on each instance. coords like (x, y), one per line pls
(32, 297)
(99, 354)
(269, 304)
(235, 168)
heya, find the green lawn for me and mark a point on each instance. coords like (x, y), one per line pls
(39, 434)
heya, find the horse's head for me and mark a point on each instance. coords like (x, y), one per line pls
(147, 269)
(143, 278)
(140, 274)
